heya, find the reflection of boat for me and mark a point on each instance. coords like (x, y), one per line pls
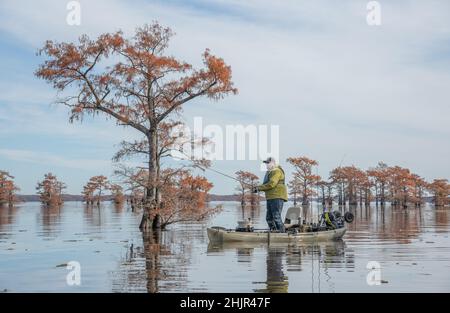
(283, 257)
(220, 234)
(335, 247)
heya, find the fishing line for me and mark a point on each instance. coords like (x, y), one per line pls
(203, 168)
(221, 173)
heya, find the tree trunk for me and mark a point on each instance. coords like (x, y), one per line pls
(305, 196)
(329, 197)
(344, 198)
(305, 200)
(323, 195)
(253, 196)
(376, 194)
(150, 219)
(340, 197)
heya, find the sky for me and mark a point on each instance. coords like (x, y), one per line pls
(341, 91)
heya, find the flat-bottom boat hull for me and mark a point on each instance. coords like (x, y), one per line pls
(219, 234)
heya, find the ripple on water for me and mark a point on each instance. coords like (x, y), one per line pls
(412, 248)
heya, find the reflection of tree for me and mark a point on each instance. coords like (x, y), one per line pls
(160, 265)
(387, 223)
(51, 216)
(131, 274)
(441, 217)
(118, 207)
(93, 214)
(141, 269)
(152, 251)
(7, 215)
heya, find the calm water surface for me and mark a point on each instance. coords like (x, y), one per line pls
(412, 247)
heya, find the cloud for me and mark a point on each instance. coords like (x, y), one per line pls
(334, 85)
(50, 122)
(39, 157)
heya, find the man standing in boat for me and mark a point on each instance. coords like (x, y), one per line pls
(276, 194)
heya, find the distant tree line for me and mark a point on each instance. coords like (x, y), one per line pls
(350, 185)
(346, 185)
(187, 202)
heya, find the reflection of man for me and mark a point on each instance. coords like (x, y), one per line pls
(276, 193)
(276, 279)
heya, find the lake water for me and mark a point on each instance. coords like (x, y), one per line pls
(411, 246)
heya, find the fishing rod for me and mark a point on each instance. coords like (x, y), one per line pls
(223, 174)
(204, 168)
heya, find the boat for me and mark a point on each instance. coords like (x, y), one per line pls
(221, 234)
(298, 231)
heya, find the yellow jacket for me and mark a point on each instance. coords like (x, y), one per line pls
(274, 184)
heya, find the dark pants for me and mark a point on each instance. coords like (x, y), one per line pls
(273, 215)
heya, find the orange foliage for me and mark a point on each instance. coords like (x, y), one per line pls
(117, 193)
(185, 197)
(395, 184)
(7, 189)
(157, 85)
(351, 180)
(380, 177)
(50, 190)
(92, 191)
(143, 88)
(304, 180)
(401, 186)
(440, 188)
(247, 180)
